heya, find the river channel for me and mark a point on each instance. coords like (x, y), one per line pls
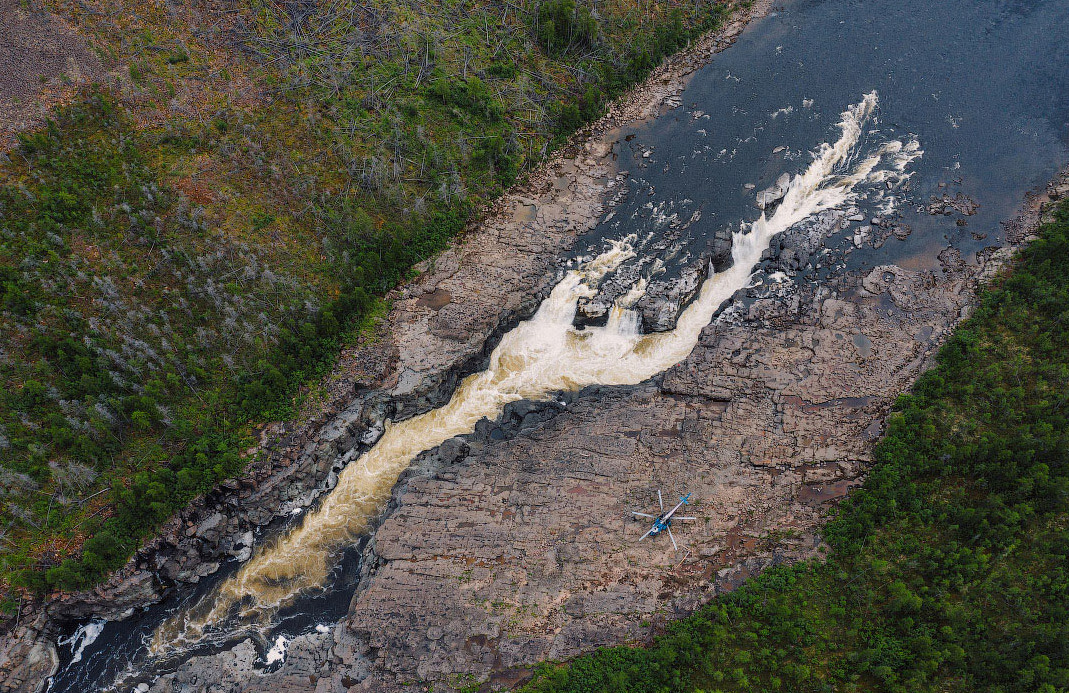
(882, 105)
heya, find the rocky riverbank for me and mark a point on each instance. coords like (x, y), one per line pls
(521, 550)
(440, 327)
(512, 545)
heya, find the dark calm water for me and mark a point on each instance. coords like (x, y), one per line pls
(983, 85)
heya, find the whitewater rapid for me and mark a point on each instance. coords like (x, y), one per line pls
(539, 357)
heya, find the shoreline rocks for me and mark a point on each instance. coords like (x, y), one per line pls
(523, 550)
(441, 328)
(514, 545)
(774, 193)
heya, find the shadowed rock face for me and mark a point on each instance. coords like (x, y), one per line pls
(774, 193)
(664, 298)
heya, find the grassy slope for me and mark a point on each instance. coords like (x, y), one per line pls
(185, 246)
(949, 569)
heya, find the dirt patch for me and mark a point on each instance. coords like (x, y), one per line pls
(42, 63)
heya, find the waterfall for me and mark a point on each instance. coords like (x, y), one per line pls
(537, 358)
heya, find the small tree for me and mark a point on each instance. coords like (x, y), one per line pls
(562, 26)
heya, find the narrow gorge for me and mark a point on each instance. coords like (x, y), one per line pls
(719, 289)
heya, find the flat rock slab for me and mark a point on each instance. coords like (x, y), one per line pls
(524, 550)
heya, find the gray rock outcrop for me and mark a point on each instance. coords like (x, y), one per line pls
(774, 193)
(514, 544)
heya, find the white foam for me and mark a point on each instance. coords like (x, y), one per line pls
(82, 638)
(278, 652)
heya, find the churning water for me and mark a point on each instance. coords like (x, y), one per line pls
(982, 83)
(539, 357)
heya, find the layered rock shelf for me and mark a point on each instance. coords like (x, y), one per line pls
(515, 544)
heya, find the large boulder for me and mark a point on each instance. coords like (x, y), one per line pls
(719, 249)
(27, 658)
(664, 300)
(771, 195)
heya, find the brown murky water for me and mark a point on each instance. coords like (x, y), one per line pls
(537, 358)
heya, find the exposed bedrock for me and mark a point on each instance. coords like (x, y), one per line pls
(664, 300)
(774, 193)
(27, 656)
(441, 327)
(514, 545)
(523, 550)
(665, 297)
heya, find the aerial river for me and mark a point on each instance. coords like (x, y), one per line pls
(878, 104)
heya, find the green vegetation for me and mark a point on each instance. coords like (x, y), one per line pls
(949, 569)
(562, 27)
(134, 355)
(186, 248)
